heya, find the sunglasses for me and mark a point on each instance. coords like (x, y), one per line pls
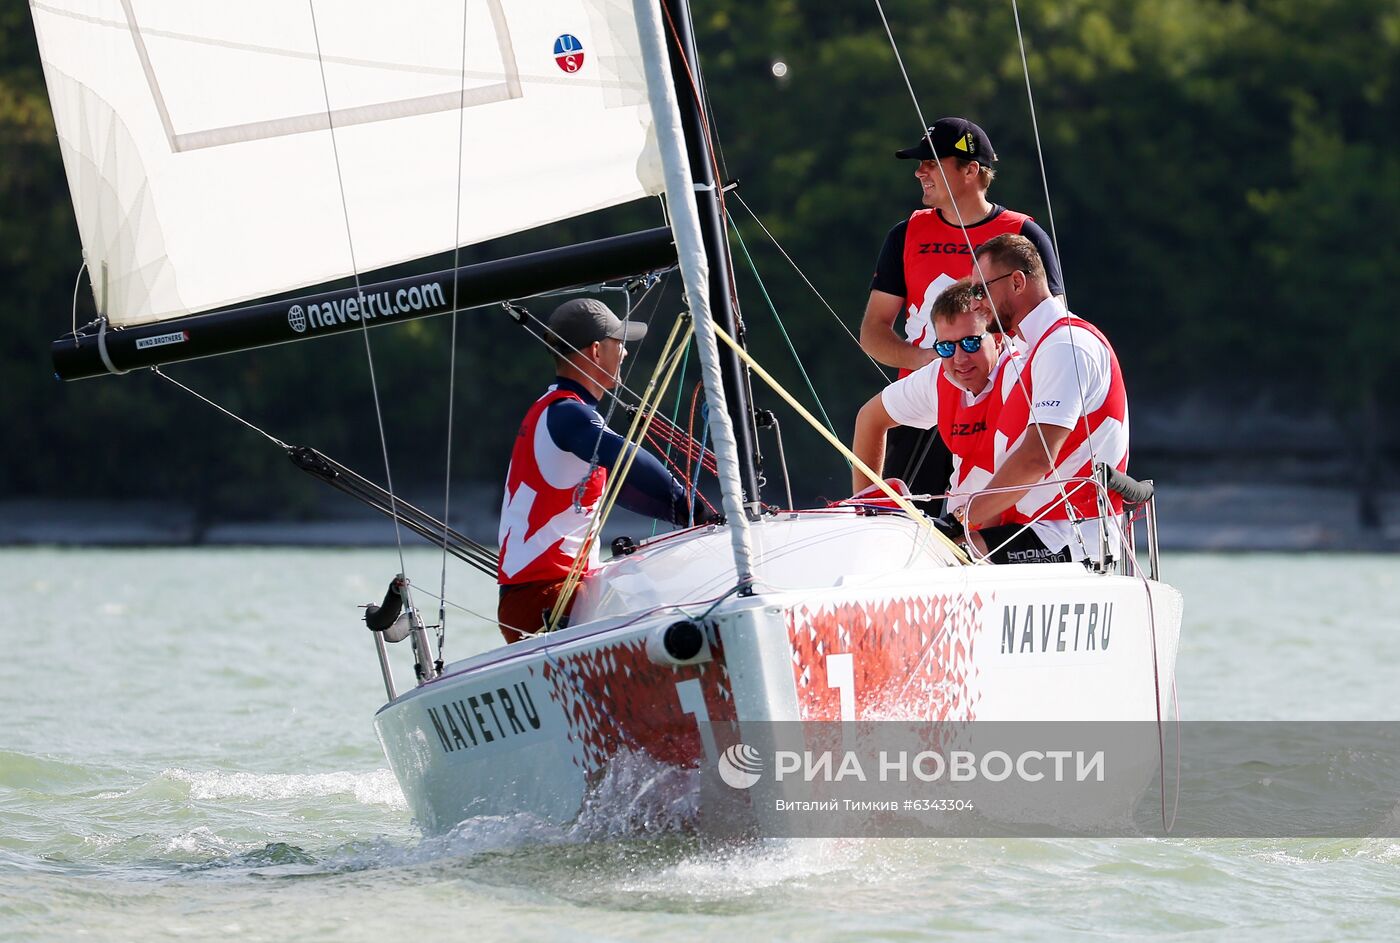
(972, 344)
(980, 291)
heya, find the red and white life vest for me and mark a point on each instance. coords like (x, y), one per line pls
(1102, 436)
(935, 256)
(542, 529)
(969, 430)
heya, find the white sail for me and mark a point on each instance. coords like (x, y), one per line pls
(219, 151)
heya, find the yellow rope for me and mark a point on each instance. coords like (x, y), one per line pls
(840, 447)
(632, 444)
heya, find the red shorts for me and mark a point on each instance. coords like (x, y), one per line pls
(525, 607)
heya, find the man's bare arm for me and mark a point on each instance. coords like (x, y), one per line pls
(872, 422)
(1031, 462)
(878, 338)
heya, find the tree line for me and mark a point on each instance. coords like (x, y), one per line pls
(1225, 184)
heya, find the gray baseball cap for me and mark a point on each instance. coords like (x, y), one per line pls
(582, 321)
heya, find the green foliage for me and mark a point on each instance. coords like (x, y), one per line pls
(1225, 176)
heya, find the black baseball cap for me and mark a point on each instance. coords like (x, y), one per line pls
(582, 321)
(952, 137)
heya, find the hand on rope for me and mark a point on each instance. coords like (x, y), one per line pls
(950, 527)
(709, 514)
(672, 439)
(703, 513)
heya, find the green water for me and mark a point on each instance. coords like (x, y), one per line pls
(187, 754)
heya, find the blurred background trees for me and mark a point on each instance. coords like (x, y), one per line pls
(1225, 178)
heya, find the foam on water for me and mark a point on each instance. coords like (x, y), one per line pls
(378, 787)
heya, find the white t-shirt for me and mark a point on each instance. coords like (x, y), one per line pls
(1070, 376)
(1071, 371)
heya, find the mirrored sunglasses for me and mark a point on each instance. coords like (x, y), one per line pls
(972, 344)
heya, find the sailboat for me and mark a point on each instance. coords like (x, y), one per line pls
(224, 157)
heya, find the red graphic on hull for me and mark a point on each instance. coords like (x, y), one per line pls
(615, 697)
(911, 657)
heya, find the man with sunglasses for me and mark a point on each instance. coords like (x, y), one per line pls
(958, 395)
(926, 253)
(1065, 408)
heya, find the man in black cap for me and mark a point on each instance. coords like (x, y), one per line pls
(560, 464)
(922, 256)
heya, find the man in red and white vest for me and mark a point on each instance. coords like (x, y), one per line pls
(959, 395)
(1065, 409)
(559, 467)
(925, 254)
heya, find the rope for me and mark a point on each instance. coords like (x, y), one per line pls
(612, 409)
(675, 414)
(797, 358)
(884, 377)
(693, 481)
(900, 500)
(355, 270)
(631, 446)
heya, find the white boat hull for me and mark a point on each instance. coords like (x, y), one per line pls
(532, 727)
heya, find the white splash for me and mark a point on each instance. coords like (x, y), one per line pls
(374, 788)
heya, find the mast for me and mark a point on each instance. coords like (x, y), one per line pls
(689, 92)
(681, 191)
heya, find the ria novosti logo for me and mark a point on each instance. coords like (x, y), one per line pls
(740, 766)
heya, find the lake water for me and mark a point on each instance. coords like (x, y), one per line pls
(187, 754)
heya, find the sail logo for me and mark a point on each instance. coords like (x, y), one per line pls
(568, 53)
(366, 307)
(740, 766)
(160, 340)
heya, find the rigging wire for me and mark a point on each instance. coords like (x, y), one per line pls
(763, 290)
(1039, 150)
(709, 138)
(612, 409)
(234, 416)
(884, 377)
(977, 269)
(1045, 182)
(675, 414)
(355, 269)
(541, 334)
(1127, 548)
(351, 483)
(77, 283)
(452, 342)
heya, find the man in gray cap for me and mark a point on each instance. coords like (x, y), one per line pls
(560, 465)
(922, 256)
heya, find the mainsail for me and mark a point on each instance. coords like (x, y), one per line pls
(221, 152)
